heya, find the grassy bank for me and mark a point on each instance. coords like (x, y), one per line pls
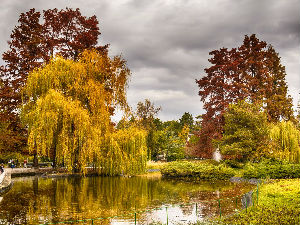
(279, 200)
(155, 165)
(278, 204)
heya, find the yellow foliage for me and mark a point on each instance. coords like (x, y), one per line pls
(123, 152)
(287, 139)
(67, 107)
(184, 133)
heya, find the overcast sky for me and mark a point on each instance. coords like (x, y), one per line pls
(166, 43)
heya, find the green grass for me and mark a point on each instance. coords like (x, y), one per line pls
(278, 204)
(155, 165)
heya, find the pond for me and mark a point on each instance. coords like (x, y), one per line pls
(38, 200)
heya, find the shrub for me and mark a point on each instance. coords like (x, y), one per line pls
(273, 171)
(197, 170)
(233, 163)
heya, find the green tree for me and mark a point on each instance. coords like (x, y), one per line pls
(159, 125)
(246, 132)
(174, 126)
(287, 141)
(168, 143)
(126, 123)
(187, 119)
(146, 112)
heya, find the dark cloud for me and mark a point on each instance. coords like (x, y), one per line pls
(166, 43)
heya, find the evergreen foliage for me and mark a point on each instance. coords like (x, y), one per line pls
(187, 120)
(170, 144)
(246, 132)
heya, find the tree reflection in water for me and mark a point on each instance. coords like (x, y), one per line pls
(35, 200)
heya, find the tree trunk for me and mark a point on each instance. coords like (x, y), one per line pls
(35, 161)
(54, 158)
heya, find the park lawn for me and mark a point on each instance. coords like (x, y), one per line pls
(151, 165)
(279, 203)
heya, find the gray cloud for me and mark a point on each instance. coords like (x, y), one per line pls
(166, 43)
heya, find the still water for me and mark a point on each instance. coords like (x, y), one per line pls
(37, 200)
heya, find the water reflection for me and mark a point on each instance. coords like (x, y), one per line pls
(36, 200)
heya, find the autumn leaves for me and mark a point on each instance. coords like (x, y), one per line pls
(68, 88)
(251, 72)
(68, 108)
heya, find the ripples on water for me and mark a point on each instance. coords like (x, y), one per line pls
(37, 200)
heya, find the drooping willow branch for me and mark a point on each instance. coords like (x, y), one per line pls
(67, 107)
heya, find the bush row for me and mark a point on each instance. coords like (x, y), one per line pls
(208, 170)
(275, 171)
(197, 170)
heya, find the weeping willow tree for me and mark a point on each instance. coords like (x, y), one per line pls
(287, 141)
(67, 108)
(123, 152)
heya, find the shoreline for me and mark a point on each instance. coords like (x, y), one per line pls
(24, 172)
(47, 173)
(62, 172)
(6, 183)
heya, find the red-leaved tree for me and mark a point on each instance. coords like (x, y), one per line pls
(252, 71)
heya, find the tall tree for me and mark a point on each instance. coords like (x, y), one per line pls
(252, 71)
(146, 112)
(264, 77)
(68, 109)
(187, 119)
(34, 41)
